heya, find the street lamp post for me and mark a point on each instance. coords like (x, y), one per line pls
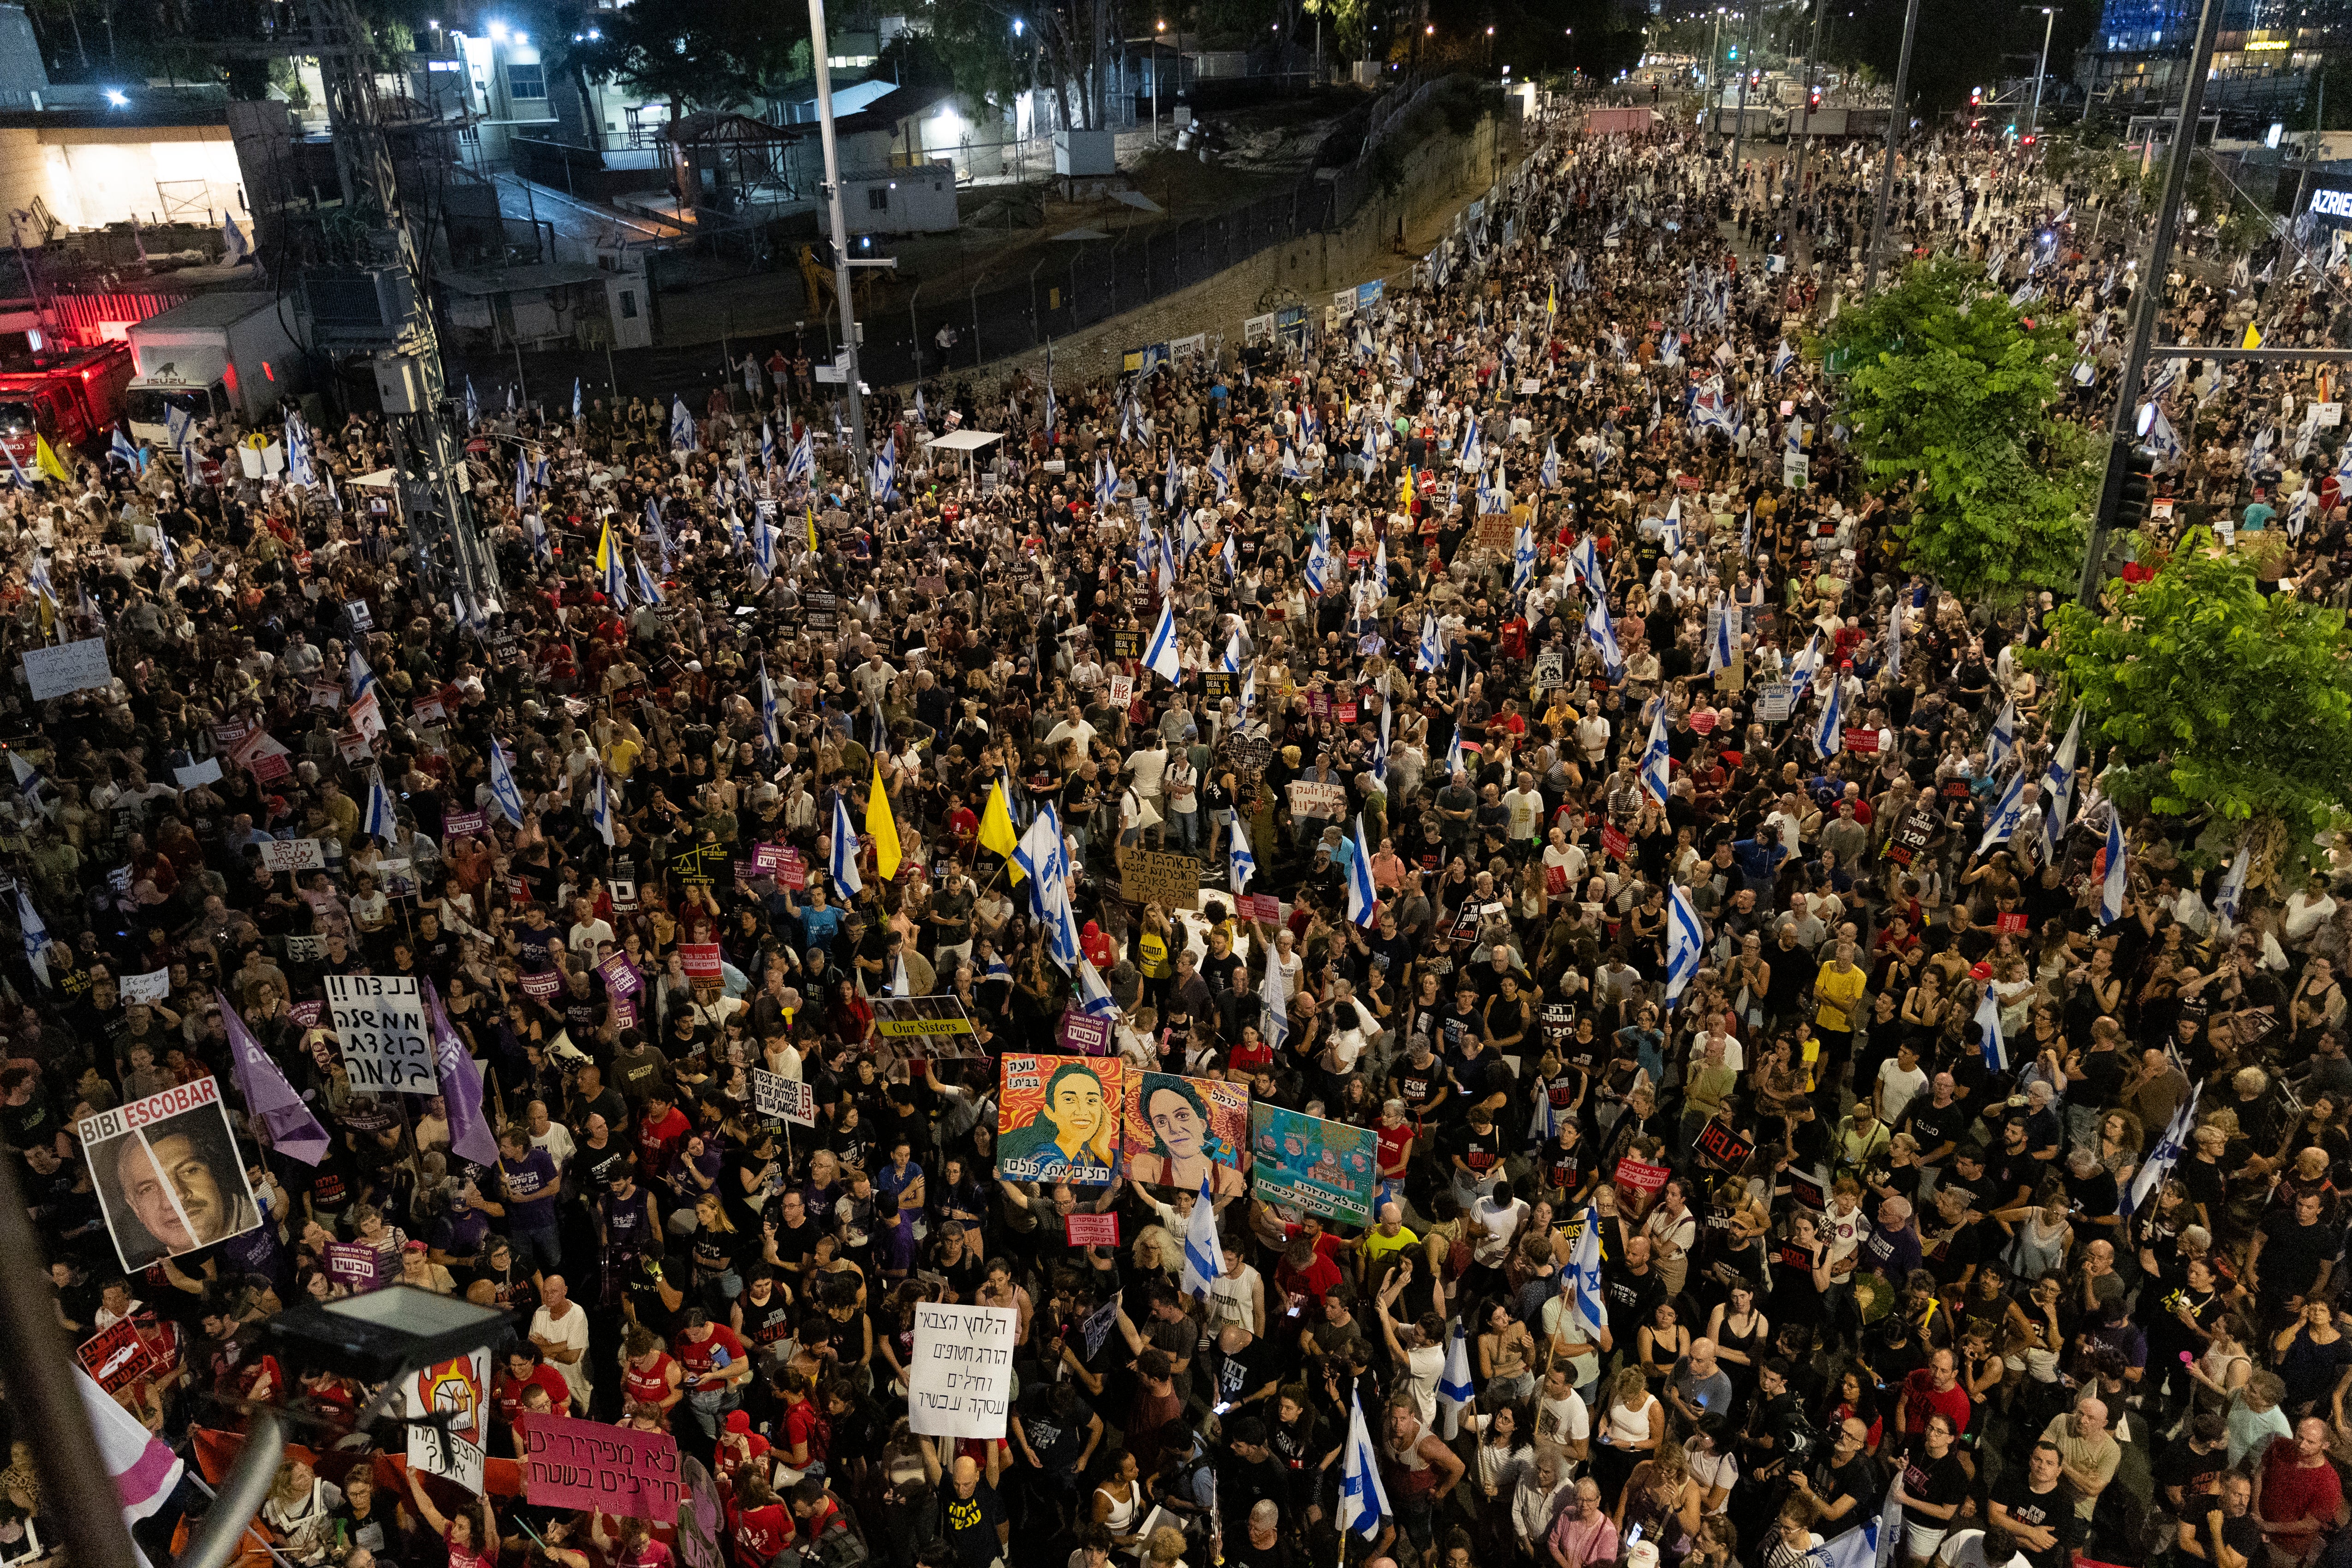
(2049, 21)
(1897, 121)
(841, 275)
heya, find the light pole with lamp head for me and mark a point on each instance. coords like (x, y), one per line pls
(2049, 21)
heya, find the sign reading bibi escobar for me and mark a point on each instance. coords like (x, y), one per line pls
(586, 1464)
(960, 1375)
(167, 1174)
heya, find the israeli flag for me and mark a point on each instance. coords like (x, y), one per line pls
(1105, 484)
(1801, 669)
(1454, 1389)
(1996, 1050)
(1584, 562)
(1592, 1308)
(1363, 900)
(647, 589)
(763, 545)
(1169, 483)
(1551, 465)
(1683, 943)
(1381, 568)
(1249, 688)
(600, 809)
(616, 581)
(804, 458)
(1095, 999)
(1161, 656)
(1217, 470)
(1363, 1502)
(1318, 574)
(1829, 736)
(2058, 785)
(298, 466)
(1718, 642)
(1290, 468)
(1232, 660)
(1474, 456)
(1432, 651)
(503, 793)
(473, 405)
(35, 936)
(681, 424)
(2233, 885)
(1782, 358)
(522, 482)
(768, 708)
(2111, 892)
(179, 427)
(360, 677)
(2007, 813)
(2000, 745)
(1895, 638)
(1380, 751)
(1276, 995)
(843, 861)
(1605, 637)
(2167, 1153)
(1203, 1256)
(121, 446)
(1244, 865)
(1657, 761)
(575, 399)
(378, 818)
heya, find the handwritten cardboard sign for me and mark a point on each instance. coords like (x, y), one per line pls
(785, 1098)
(292, 855)
(960, 1378)
(1093, 1230)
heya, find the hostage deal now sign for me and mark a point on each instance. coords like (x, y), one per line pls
(585, 1464)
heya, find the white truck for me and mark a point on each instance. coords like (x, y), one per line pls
(218, 354)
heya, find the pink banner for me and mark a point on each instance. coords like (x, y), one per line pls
(465, 821)
(1094, 1229)
(306, 1013)
(586, 1464)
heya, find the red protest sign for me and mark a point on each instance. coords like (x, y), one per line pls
(1263, 908)
(586, 1464)
(2012, 920)
(116, 1358)
(1093, 1230)
(1614, 844)
(1862, 740)
(1640, 1176)
(700, 958)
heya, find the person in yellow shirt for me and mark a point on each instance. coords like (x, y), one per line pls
(621, 752)
(1837, 1001)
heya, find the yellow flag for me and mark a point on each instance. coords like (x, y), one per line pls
(2253, 337)
(1404, 491)
(1551, 301)
(605, 546)
(44, 457)
(812, 521)
(882, 826)
(996, 833)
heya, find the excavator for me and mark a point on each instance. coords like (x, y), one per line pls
(819, 278)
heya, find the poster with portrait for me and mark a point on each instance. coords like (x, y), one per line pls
(1057, 1118)
(1181, 1131)
(1324, 1167)
(167, 1174)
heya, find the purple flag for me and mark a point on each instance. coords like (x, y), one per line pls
(461, 1086)
(293, 1131)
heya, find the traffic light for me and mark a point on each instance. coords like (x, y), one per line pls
(1814, 100)
(2139, 480)
(1976, 98)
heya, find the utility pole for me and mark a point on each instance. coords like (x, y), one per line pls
(848, 359)
(2148, 303)
(2034, 118)
(1714, 54)
(2318, 127)
(1805, 143)
(1899, 120)
(1739, 131)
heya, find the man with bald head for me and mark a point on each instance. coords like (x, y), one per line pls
(2087, 1454)
(976, 1527)
(1700, 1384)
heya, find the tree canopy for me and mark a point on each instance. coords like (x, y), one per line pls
(2217, 700)
(1948, 396)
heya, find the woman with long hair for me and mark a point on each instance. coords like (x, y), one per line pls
(1632, 1427)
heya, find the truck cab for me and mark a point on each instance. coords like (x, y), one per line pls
(71, 398)
(150, 399)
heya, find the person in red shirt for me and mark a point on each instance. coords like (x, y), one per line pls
(662, 1132)
(1930, 1390)
(806, 1434)
(1305, 1273)
(648, 1373)
(717, 1367)
(757, 1519)
(740, 1449)
(2298, 1492)
(526, 1368)
(963, 827)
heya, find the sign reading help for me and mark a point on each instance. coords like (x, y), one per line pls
(961, 1376)
(380, 1019)
(586, 1464)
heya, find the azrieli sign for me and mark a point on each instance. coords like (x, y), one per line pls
(2337, 204)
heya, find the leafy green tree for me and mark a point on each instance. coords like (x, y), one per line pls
(2212, 701)
(693, 54)
(1948, 396)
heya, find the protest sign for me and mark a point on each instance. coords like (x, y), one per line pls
(1861, 740)
(465, 821)
(1146, 876)
(292, 855)
(450, 1397)
(1178, 1132)
(624, 894)
(1551, 669)
(379, 1018)
(202, 774)
(960, 1377)
(785, 1098)
(769, 859)
(1100, 1322)
(701, 959)
(1263, 908)
(927, 1017)
(1324, 1167)
(1323, 802)
(115, 1358)
(1121, 689)
(1057, 1118)
(1083, 1034)
(153, 986)
(587, 1464)
(1093, 1229)
(1641, 1175)
(1723, 1145)
(69, 668)
(1614, 844)
(355, 1263)
(306, 1013)
(620, 975)
(167, 1174)
(540, 988)
(1775, 700)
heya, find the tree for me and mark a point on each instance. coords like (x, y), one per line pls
(1949, 397)
(2220, 703)
(705, 53)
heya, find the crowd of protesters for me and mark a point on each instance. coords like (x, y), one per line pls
(1852, 1260)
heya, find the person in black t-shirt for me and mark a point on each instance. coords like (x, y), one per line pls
(1843, 1479)
(2037, 1508)
(2191, 1468)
